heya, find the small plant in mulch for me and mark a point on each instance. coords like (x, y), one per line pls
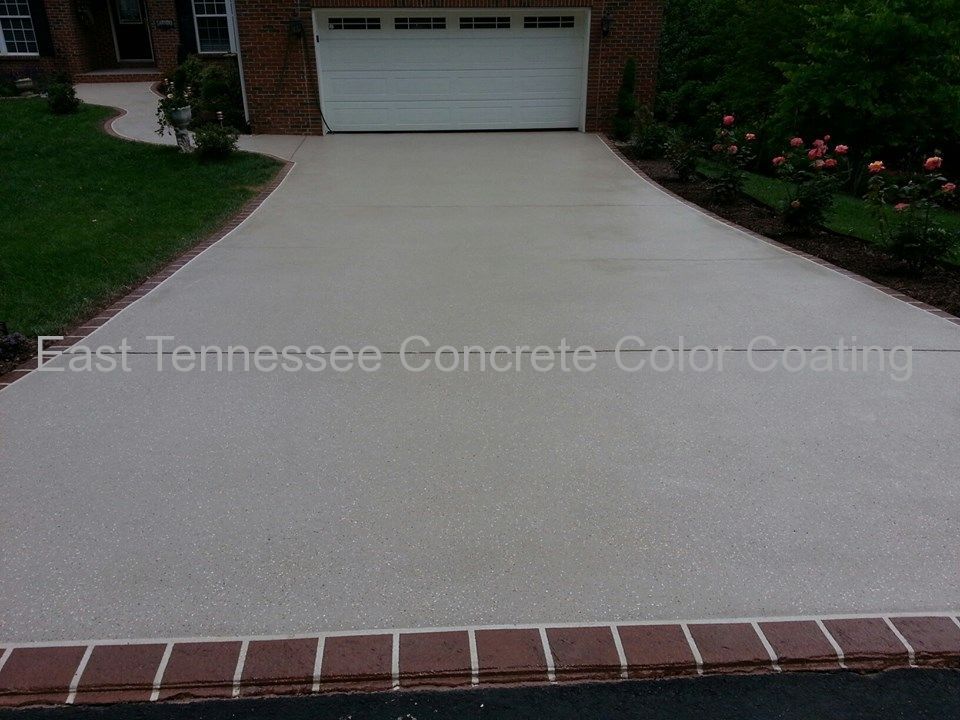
(649, 136)
(731, 151)
(13, 346)
(62, 98)
(814, 174)
(215, 142)
(682, 154)
(625, 118)
(904, 206)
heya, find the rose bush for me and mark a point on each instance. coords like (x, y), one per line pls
(814, 174)
(732, 150)
(904, 206)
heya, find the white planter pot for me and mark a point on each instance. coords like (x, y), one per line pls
(181, 116)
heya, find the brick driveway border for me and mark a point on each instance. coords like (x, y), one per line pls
(112, 671)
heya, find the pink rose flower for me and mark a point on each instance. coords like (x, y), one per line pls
(841, 149)
(732, 149)
(949, 187)
(876, 166)
(933, 163)
(779, 160)
(818, 143)
(728, 120)
(900, 207)
(718, 147)
(818, 164)
(830, 163)
(815, 153)
(826, 138)
(796, 142)
(750, 136)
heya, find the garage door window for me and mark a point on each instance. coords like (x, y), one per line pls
(548, 21)
(353, 23)
(488, 22)
(420, 23)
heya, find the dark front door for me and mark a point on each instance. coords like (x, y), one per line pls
(131, 29)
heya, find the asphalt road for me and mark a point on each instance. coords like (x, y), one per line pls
(897, 695)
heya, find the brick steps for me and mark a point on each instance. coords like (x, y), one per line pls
(159, 670)
(119, 76)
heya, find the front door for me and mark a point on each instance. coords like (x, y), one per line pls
(131, 29)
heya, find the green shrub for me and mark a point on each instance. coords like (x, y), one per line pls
(625, 119)
(215, 142)
(649, 136)
(213, 87)
(682, 152)
(8, 88)
(62, 98)
(220, 92)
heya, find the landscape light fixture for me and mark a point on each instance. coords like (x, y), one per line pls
(606, 24)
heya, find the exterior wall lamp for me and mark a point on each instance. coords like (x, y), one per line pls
(606, 24)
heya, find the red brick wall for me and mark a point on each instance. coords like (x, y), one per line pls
(281, 71)
(165, 41)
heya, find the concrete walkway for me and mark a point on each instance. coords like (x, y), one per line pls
(148, 503)
(140, 120)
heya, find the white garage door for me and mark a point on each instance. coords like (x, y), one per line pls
(451, 70)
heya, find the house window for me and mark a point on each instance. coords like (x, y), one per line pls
(213, 26)
(16, 29)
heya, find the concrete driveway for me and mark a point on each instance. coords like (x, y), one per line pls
(156, 504)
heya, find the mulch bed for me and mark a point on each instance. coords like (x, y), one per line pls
(938, 286)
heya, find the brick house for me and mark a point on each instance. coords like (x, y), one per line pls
(360, 65)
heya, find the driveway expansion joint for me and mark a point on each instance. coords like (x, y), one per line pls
(113, 671)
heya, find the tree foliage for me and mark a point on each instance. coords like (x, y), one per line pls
(882, 75)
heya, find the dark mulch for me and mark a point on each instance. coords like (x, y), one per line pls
(30, 349)
(938, 286)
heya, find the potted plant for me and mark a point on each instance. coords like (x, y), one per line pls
(174, 112)
(174, 109)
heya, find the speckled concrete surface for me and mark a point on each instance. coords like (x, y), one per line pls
(166, 504)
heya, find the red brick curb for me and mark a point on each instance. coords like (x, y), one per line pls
(86, 327)
(786, 248)
(157, 670)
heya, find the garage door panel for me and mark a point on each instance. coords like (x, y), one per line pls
(450, 54)
(402, 87)
(450, 79)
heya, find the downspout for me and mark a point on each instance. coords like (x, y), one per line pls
(234, 31)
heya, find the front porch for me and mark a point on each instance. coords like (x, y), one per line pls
(125, 40)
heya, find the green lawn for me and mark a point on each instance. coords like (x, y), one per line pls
(849, 215)
(85, 215)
